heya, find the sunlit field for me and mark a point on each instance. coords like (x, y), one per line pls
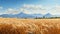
(29, 26)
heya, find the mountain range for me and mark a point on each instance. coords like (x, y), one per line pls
(23, 15)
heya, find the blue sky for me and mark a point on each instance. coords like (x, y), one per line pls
(30, 6)
(17, 3)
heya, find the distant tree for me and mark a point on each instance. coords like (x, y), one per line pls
(43, 16)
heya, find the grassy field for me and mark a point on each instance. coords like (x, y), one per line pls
(29, 26)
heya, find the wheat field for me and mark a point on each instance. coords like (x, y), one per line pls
(29, 26)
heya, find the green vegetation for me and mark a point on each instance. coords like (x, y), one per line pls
(46, 17)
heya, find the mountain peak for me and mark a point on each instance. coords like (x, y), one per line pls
(21, 13)
(48, 14)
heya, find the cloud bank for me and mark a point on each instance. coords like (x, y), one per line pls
(34, 9)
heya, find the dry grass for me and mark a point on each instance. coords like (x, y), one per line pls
(29, 26)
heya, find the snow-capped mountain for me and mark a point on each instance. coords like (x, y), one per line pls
(23, 15)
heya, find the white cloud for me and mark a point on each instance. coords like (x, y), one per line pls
(11, 11)
(40, 9)
(33, 9)
(28, 9)
(55, 10)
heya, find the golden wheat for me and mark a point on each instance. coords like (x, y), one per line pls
(29, 26)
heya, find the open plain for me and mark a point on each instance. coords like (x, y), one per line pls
(29, 26)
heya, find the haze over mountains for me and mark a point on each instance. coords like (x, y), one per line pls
(23, 15)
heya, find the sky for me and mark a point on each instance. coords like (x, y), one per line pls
(30, 6)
